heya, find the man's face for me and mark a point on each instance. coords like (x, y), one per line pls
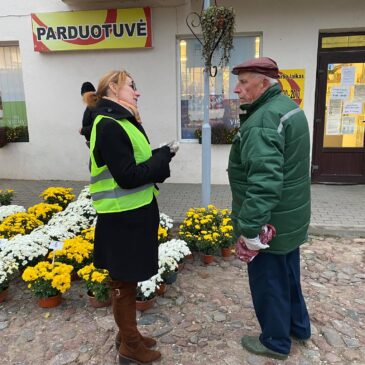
(250, 87)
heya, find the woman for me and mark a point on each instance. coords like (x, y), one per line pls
(88, 97)
(124, 171)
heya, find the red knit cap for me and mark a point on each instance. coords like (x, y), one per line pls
(262, 65)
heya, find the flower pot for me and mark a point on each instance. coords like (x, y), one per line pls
(97, 303)
(4, 294)
(226, 251)
(172, 278)
(207, 259)
(162, 289)
(50, 302)
(189, 257)
(143, 305)
(180, 266)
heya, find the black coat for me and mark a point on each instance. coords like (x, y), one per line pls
(87, 123)
(126, 243)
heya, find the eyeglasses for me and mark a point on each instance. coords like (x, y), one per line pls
(133, 86)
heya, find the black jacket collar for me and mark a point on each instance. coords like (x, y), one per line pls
(114, 110)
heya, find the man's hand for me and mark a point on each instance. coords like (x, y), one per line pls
(254, 244)
(243, 253)
(248, 248)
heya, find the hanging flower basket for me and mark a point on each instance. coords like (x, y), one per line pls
(217, 24)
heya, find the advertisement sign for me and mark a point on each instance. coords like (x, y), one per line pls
(90, 30)
(292, 84)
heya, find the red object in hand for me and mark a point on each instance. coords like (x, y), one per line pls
(247, 255)
(267, 235)
(243, 253)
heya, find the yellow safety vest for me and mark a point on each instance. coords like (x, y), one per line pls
(107, 195)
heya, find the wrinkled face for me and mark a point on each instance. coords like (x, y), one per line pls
(128, 92)
(250, 87)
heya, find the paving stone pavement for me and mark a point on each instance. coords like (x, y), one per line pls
(201, 317)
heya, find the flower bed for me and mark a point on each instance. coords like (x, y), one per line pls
(74, 227)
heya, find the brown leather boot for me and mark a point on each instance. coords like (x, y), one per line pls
(148, 341)
(132, 348)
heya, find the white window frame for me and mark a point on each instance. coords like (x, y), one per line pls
(178, 93)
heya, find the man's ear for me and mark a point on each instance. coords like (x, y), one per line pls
(265, 83)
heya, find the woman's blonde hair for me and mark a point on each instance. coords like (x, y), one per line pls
(117, 77)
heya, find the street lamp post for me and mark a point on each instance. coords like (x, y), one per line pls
(217, 25)
(206, 137)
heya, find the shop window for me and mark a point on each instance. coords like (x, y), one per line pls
(223, 103)
(13, 116)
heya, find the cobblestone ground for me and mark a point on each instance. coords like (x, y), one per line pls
(201, 317)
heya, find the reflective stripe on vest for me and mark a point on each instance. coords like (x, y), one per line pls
(107, 195)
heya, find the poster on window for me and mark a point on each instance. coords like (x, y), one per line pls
(13, 116)
(348, 125)
(292, 84)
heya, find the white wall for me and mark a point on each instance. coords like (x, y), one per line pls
(52, 81)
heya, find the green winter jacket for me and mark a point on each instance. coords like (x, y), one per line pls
(269, 171)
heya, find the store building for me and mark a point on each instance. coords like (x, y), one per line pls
(319, 46)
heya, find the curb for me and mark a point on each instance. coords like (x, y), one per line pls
(336, 231)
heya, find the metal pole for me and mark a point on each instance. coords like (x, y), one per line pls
(206, 138)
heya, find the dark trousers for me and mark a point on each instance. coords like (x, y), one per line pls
(278, 300)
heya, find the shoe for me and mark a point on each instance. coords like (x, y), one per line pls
(254, 345)
(137, 353)
(299, 339)
(147, 341)
(132, 348)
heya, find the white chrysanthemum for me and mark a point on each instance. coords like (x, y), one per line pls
(175, 248)
(147, 288)
(166, 221)
(7, 210)
(66, 224)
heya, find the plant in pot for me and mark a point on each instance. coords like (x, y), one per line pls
(48, 281)
(167, 269)
(18, 223)
(208, 244)
(97, 285)
(198, 222)
(6, 196)
(175, 248)
(226, 238)
(58, 195)
(44, 211)
(146, 294)
(8, 271)
(76, 252)
(220, 134)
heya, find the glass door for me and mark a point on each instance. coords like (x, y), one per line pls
(338, 138)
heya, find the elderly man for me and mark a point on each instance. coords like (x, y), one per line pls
(269, 178)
